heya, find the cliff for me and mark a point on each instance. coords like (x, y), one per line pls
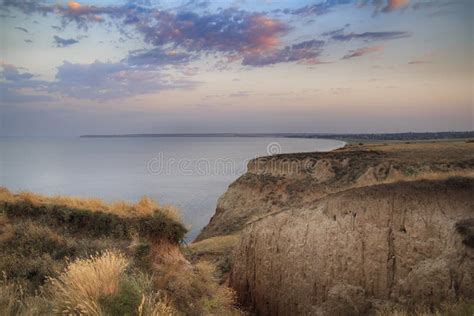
(294, 180)
(351, 231)
(410, 243)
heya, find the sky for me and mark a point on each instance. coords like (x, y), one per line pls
(195, 66)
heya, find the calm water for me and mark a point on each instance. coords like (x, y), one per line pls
(188, 172)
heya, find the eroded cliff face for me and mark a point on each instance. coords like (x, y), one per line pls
(407, 242)
(293, 181)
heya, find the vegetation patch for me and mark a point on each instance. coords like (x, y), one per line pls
(217, 250)
(69, 259)
(455, 308)
(145, 218)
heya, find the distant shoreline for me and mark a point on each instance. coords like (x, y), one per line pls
(346, 137)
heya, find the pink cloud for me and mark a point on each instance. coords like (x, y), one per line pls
(393, 5)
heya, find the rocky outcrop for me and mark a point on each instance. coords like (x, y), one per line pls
(287, 181)
(407, 242)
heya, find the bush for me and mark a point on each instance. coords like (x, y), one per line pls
(195, 290)
(126, 301)
(31, 252)
(35, 272)
(141, 255)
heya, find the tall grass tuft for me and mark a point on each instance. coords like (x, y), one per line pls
(156, 304)
(6, 195)
(85, 282)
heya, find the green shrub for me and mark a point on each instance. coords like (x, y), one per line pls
(126, 301)
(34, 271)
(141, 253)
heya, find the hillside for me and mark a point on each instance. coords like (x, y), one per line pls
(350, 225)
(63, 255)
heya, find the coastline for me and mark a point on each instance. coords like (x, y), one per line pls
(351, 137)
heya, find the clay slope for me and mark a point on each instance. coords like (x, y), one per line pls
(407, 242)
(297, 180)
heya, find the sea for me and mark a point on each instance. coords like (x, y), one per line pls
(189, 172)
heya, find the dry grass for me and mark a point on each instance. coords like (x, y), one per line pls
(157, 304)
(6, 229)
(6, 195)
(459, 308)
(432, 151)
(195, 291)
(86, 281)
(214, 245)
(36, 242)
(218, 250)
(99, 285)
(14, 300)
(171, 212)
(10, 296)
(144, 207)
(428, 175)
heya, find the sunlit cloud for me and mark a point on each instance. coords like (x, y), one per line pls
(74, 5)
(72, 12)
(393, 5)
(227, 31)
(254, 38)
(307, 50)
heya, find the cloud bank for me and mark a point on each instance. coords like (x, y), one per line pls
(180, 36)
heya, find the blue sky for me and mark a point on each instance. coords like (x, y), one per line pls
(146, 66)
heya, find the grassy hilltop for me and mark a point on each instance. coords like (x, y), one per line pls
(63, 255)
